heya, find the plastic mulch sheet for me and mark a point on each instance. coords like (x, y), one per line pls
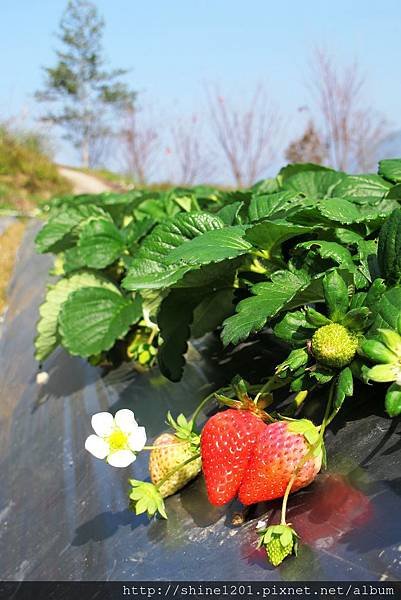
(64, 515)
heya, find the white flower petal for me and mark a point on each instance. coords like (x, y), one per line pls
(125, 420)
(103, 423)
(137, 439)
(121, 458)
(42, 378)
(96, 446)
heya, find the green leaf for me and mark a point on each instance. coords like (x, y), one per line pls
(230, 214)
(61, 224)
(263, 206)
(269, 298)
(100, 243)
(363, 185)
(296, 359)
(336, 295)
(212, 310)
(332, 251)
(136, 230)
(294, 168)
(270, 234)
(315, 184)
(211, 246)
(347, 236)
(294, 328)
(266, 186)
(92, 319)
(393, 400)
(394, 192)
(388, 310)
(72, 260)
(389, 248)
(357, 319)
(150, 268)
(375, 294)
(342, 210)
(315, 318)
(47, 338)
(390, 168)
(174, 320)
(344, 388)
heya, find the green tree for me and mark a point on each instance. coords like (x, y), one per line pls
(84, 96)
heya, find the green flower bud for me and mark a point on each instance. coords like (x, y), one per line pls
(393, 400)
(378, 352)
(391, 339)
(384, 373)
(334, 345)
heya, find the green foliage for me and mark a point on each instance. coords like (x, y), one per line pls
(301, 254)
(92, 319)
(389, 248)
(80, 89)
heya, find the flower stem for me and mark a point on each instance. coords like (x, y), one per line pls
(176, 469)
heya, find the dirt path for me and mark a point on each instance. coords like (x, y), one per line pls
(83, 183)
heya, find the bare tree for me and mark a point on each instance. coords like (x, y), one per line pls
(309, 147)
(139, 145)
(248, 136)
(192, 158)
(352, 130)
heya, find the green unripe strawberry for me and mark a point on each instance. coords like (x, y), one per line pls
(169, 453)
(334, 346)
(279, 541)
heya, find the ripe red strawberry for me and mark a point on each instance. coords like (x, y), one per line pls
(276, 455)
(226, 444)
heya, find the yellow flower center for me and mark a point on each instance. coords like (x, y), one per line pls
(117, 440)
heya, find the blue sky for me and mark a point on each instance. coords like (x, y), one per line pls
(174, 47)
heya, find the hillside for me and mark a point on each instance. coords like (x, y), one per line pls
(27, 174)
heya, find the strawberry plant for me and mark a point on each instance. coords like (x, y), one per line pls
(312, 256)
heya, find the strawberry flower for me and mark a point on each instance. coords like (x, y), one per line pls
(117, 438)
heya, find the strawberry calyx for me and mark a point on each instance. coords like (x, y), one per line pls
(184, 430)
(310, 432)
(246, 403)
(279, 542)
(146, 497)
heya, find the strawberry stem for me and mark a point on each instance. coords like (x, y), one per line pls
(176, 469)
(273, 383)
(326, 418)
(205, 401)
(325, 422)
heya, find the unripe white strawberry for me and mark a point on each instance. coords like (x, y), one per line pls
(169, 453)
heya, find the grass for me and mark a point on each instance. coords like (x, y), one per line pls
(27, 174)
(10, 241)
